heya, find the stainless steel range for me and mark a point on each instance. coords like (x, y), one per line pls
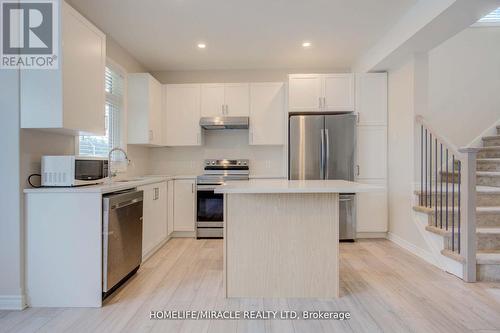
(210, 205)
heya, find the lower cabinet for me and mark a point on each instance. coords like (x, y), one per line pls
(184, 204)
(372, 210)
(154, 221)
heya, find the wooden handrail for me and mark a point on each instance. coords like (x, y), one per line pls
(451, 147)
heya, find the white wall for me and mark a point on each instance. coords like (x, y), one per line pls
(464, 84)
(401, 115)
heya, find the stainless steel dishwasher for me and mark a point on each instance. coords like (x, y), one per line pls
(121, 238)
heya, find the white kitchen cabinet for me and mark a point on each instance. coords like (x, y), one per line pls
(71, 98)
(338, 93)
(170, 207)
(154, 221)
(225, 99)
(372, 215)
(321, 92)
(305, 92)
(184, 204)
(372, 152)
(144, 100)
(181, 121)
(371, 99)
(267, 113)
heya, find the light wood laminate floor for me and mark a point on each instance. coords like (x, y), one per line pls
(385, 288)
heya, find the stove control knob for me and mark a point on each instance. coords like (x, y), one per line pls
(213, 162)
(239, 163)
(244, 163)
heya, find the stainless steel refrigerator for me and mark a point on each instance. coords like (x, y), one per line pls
(323, 147)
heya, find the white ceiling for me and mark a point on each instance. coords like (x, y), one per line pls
(244, 34)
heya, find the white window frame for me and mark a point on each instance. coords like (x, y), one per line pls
(120, 167)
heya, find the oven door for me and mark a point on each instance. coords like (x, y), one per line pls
(209, 207)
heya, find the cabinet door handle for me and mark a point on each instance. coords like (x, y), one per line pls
(222, 108)
(227, 109)
(357, 170)
(319, 102)
(324, 102)
(150, 135)
(192, 188)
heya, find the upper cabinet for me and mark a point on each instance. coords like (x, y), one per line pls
(144, 110)
(70, 99)
(321, 92)
(225, 99)
(371, 98)
(181, 115)
(267, 113)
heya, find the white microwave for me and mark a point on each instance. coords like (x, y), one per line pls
(71, 170)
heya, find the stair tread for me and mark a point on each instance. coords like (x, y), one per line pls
(489, 148)
(453, 255)
(486, 209)
(480, 189)
(488, 173)
(488, 258)
(488, 230)
(480, 230)
(491, 137)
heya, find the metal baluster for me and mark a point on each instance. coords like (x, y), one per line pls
(426, 167)
(453, 203)
(430, 170)
(441, 193)
(436, 182)
(446, 176)
(421, 165)
(459, 203)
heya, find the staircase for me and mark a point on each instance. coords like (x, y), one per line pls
(436, 206)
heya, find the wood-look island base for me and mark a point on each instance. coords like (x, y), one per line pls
(281, 237)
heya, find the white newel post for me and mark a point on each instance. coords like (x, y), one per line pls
(468, 203)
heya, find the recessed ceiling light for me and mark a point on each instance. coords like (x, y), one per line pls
(306, 44)
(202, 45)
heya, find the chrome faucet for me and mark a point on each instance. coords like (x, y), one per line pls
(110, 175)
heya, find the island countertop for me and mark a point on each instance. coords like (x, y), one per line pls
(295, 186)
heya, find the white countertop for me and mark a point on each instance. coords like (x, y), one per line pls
(295, 186)
(108, 188)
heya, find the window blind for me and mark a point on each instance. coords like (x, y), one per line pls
(101, 145)
(492, 17)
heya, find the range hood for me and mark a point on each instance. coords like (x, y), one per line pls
(219, 123)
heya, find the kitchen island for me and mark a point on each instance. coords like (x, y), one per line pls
(281, 237)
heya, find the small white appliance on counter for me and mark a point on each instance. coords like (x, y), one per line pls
(72, 170)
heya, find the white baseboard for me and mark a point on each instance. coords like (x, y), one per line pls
(183, 234)
(12, 302)
(362, 235)
(421, 253)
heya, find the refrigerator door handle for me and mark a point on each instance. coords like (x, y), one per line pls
(327, 157)
(322, 155)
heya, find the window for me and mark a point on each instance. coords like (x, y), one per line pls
(114, 113)
(492, 18)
